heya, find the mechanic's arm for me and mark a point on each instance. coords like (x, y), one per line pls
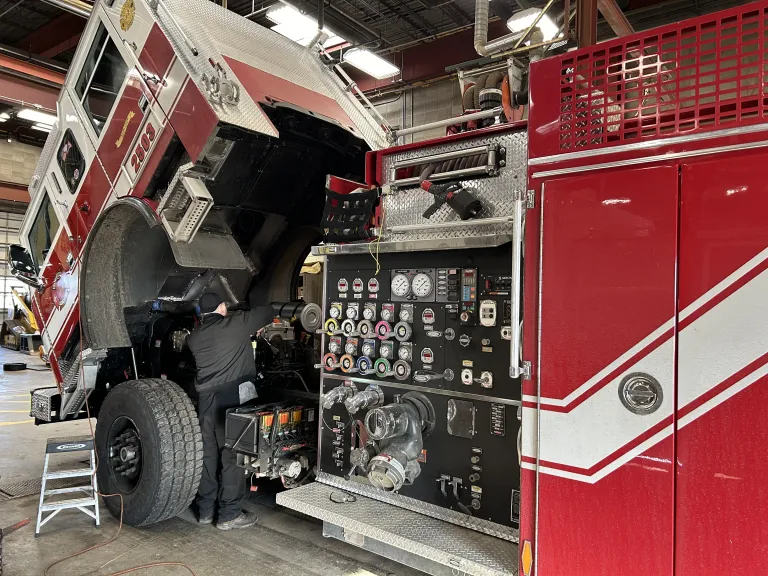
(258, 317)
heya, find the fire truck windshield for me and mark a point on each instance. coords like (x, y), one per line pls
(43, 231)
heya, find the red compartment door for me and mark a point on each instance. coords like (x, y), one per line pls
(606, 489)
(722, 486)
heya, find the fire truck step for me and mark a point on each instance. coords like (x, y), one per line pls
(413, 539)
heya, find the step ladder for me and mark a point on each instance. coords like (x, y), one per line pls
(55, 446)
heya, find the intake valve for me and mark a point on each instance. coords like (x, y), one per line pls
(399, 429)
(307, 314)
(368, 398)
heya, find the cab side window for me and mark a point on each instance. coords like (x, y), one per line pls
(101, 79)
(70, 161)
(43, 230)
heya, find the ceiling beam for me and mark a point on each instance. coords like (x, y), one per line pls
(615, 17)
(16, 90)
(30, 70)
(11, 192)
(55, 37)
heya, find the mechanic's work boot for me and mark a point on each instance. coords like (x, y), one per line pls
(245, 520)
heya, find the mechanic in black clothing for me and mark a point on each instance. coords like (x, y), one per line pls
(221, 345)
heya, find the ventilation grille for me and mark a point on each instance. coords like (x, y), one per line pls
(699, 75)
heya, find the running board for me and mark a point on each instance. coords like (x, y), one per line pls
(413, 539)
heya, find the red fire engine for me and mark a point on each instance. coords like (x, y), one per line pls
(569, 382)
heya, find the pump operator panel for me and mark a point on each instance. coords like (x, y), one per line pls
(437, 325)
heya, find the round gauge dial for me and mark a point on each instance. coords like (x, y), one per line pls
(334, 312)
(386, 352)
(373, 285)
(404, 353)
(334, 346)
(343, 285)
(369, 313)
(400, 285)
(350, 348)
(422, 285)
(352, 313)
(357, 285)
(369, 349)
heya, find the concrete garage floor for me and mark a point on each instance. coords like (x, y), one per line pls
(282, 542)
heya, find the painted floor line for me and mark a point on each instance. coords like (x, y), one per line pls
(14, 411)
(17, 422)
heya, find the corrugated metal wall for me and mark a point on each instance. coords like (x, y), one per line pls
(9, 234)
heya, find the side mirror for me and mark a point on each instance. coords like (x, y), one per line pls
(23, 267)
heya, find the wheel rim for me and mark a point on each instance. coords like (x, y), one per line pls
(125, 454)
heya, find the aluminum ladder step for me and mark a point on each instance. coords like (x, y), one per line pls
(69, 474)
(69, 503)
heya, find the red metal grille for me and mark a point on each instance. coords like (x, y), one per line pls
(703, 74)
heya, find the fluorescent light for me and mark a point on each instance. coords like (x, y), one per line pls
(299, 27)
(522, 20)
(5, 116)
(3, 119)
(36, 116)
(370, 63)
(41, 127)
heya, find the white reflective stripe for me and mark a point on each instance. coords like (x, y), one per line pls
(601, 425)
(723, 341)
(714, 347)
(723, 396)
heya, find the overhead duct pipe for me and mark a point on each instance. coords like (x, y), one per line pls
(77, 7)
(482, 46)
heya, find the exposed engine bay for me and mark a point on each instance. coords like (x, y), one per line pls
(275, 434)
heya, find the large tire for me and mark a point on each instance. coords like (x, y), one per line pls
(170, 451)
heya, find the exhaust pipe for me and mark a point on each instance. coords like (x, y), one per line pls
(482, 46)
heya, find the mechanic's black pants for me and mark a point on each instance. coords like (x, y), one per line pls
(222, 481)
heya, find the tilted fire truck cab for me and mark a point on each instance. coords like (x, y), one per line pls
(191, 149)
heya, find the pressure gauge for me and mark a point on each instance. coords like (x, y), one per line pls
(369, 313)
(335, 312)
(334, 346)
(422, 285)
(404, 352)
(373, 285)
(343, 285)
(369, 348)
(386, 352)
(357, 285)
(400, 285)
(352, 313)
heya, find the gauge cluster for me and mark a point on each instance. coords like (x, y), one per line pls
(413, 285)
(445, 325)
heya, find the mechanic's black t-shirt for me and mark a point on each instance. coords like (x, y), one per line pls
(222, 348)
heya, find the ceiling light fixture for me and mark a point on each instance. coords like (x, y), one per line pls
(36, 116)
(371, 63)
(41, 127)
(299, 27)
(522, 20)
(4, 116)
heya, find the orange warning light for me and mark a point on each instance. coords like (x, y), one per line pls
(526, 558)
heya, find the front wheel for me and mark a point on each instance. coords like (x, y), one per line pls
(150, 451)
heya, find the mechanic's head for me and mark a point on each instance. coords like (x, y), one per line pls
(211, 302)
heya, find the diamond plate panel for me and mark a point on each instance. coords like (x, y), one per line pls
(461, 549)
(444, 514)
(406, 205)
(45, 159)
(215, 31)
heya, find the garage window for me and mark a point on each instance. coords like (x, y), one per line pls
(71, 161)
(43, 231)
(100, 80)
